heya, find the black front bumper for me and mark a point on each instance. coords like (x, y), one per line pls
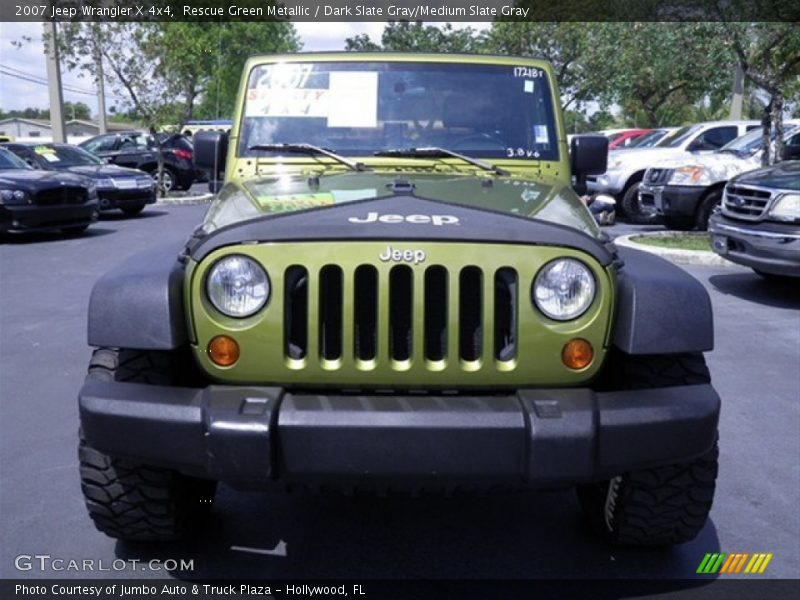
(110, 199)
(253, 437)
(672, 200)
(32, 217)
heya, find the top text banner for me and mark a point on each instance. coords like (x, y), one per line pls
(399, 10)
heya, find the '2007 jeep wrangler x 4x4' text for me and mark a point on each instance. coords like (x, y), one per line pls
(398, 288)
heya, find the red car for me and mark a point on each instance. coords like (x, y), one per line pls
(623, 138)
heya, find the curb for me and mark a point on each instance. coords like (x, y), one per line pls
(675, 255)
(201, 199)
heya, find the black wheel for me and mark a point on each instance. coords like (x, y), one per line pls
(76, 230)
(679, 223)
(132, 210)
(127, 499)
(632, 208)
(663, 505)
(707, 205)
(169, 179)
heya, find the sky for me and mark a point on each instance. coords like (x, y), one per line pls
(29, 61)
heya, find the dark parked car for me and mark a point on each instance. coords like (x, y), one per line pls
(117, 187)
(139, 150)
(32, 200)
(759, 225)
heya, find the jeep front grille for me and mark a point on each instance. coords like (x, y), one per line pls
(342, 315)
(461, 316)
(745, 202)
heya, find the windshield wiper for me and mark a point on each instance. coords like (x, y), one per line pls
(436, 152)
(311, 150)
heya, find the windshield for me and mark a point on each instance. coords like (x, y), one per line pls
(677, 138)
(63, 157)
(9, 160)
(358, 109)
(648, 140)
(751, 141)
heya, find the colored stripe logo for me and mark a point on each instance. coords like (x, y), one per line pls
(736, 562)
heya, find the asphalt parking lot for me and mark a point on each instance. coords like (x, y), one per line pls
(45, 286)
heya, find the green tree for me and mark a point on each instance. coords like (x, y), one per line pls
(655, 66)
(405, 36)
(769, 55)
(76, 110)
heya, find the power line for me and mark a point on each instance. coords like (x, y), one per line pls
(66, 86)
(5, 70)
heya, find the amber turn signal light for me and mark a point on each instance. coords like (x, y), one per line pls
(577, 353)
(223, 350)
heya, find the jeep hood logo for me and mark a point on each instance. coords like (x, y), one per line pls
(437, 220)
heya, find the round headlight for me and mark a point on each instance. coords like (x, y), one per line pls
(237, 286)
(563, 289)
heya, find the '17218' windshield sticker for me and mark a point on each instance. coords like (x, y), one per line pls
(528, 72)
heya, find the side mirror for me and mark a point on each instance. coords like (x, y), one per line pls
(210, 151)
(588, 156)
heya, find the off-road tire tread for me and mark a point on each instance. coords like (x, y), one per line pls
(126, 499)
(663, 505)
(130, 501)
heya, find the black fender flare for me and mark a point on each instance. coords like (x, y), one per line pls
(661, 309)
(139, 304)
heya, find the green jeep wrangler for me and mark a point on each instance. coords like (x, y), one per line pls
(398, 288)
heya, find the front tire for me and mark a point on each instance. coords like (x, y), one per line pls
(127, 499)
(705, 209)
(632, 208)
(664, 505)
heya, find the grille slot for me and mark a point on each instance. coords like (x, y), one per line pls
(330, 312)
(365, 312)
(436, 313)
(505, 314)
(745, 202)
(401, 288)
(295, 321)
(470, 308)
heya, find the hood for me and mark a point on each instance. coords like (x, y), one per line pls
(34, 180)
(785, 175)
(399, 216)
(100, 171)
(648, 156)
(718, 166)
(545, 199)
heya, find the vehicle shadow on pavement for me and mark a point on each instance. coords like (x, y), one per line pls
(18, 239)
(515, 536)
(753, 287)
(120, 216)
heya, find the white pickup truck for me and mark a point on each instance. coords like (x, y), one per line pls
(626, 167)
(684, 191)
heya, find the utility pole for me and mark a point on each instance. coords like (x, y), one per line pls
(54, 84)
(738, 93)
(101, 94)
